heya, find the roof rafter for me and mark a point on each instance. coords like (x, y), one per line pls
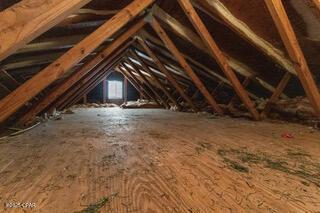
(32, 87)
(78, 74)
(195, 40)
(196, 80)
(290, 40)
(32, 19)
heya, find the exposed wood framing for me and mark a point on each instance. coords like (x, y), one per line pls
(213, 93)
(134, 84)
(155, 78)
(86, 84)
(26, 20)
(147, 82)
(97, 12)
(217, 76)
(245, 83)
(218, 55)
(169, 76)
(32, 87)
(181, 77)
(290, 40)
(104, 90)
(87, 89)
(111, 61)
(73, 93)
(78, 74)
(281, 86)
(229, 20)
(6, 77)
(125, 90)
(174, 50)
(145, 92)
(195, 40)
(133, 73)
(55, 43)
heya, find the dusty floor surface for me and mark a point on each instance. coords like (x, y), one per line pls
(115, 160)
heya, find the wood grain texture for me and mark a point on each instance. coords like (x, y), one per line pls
(275, 96)
(290, 40)
(32, 87)
(218, 55)
(155, 78)
(147, 82)
(26, 20)
(134, 84)
(78, 74)
(190, 36)
(184, 64)
(158, 161)
(168, 75)
(87, 81)
(140, 81)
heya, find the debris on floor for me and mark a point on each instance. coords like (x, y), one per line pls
(94, 208)
(296, 109)
(140, 103)
(287, 135)
(295, 162)
(95, 105)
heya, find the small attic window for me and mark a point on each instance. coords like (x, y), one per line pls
(115, 89)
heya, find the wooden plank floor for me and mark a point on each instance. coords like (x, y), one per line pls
(161, 161)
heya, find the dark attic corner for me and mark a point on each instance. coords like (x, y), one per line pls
(159, 106)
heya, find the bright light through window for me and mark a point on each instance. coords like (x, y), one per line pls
(115, 89)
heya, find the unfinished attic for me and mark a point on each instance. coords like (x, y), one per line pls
(159, 106)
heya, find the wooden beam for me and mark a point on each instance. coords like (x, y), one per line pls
(218, 55)
(11, 82)
(32, 87)
(97, 12)
(155, 78)
(90, 88)
(87, 89)
(245, 83)
(134, 84)
(81, 88)
(290, 40)
(147, 82)
(78, 90)
(191, 37)
(197, 64)
(28, 19)
(216, 8)
(275, 96)
(142, 90)
(86, 80)
(178, 74)
(213, 93)
(92, 67)
(125, 90)
(55, 43)
(87, 68)
(104, 90)
(169, 76)
(174, 50)
(140, 82)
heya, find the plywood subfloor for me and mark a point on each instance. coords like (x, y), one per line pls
(161, 161)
